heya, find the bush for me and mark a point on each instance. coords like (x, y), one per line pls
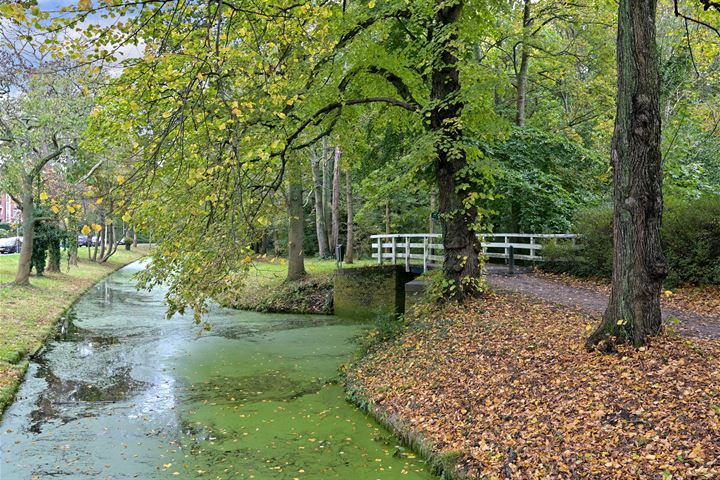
(691, 241)
(690, 237)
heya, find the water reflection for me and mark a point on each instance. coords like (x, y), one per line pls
(124, 393)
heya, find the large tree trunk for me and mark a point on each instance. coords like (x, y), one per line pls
(296, 229)
(350, 219)
(336, 200)
(22, 277)
(639, 267)
(462, 264)
(320, 226)
(522, 74)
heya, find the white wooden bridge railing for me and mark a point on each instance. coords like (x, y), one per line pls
(426, 249)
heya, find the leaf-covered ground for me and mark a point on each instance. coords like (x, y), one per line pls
(506, 382)
(702, 300)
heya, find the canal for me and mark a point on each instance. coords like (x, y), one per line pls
(124, 393)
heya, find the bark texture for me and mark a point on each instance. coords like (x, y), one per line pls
(320, 226)
(350, 219)
(296, 230)
(336, 200)
(22, 277)
(457, 219)
(639, 267)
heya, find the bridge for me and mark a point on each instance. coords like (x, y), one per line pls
(365, 292)
(425, 250)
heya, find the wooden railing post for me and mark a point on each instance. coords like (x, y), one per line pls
(407, 254)
(425, 253)
(532, 246)
(507, 250)
(380, 250)
(394, 250)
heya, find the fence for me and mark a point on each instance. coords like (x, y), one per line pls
(426, 249)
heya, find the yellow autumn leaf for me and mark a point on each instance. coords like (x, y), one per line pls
(85, 230)
(120, 179)
(371, 4)
(84, 4)
(96, 227)
(43, 196)
(99, 201)
(126, 218)
(55, 209)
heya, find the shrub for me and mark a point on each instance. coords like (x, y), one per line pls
(691, 241)
(593, 257)
(690, 238)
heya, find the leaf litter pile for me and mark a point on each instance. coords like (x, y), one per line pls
(506, 382)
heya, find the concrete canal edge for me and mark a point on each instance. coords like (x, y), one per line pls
(444, 465)
(364, 293)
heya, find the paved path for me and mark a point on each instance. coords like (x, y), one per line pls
(592, 301)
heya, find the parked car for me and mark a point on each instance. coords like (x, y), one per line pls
(10, 245)
(83, 240)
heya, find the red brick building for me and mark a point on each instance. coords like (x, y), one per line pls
(9, 212)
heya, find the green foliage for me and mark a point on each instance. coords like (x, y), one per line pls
(385, 328)
(691, 240)
(47, 239)
(544, 180)
(690, 237)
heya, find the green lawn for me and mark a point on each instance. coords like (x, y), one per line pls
(28, 315)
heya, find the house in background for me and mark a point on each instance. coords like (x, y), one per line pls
(9, 213)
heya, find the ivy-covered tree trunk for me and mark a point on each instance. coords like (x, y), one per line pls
(639, 267)
(461, 265)
(22, 277)
(54, 254)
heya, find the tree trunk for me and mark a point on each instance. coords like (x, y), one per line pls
(327, 197)
(111, 247)
(457, 217)
(103, 237)
(135, 237)
(433, 206)
(522, 74)
(388, 219)
(54, 257)
(350, 219)
(296, 229)
(639, 267)
(22, 277)
(320, 226)
(336, 200)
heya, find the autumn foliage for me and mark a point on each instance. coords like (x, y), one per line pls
(505, 382)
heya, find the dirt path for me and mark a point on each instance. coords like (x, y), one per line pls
(593, 301)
